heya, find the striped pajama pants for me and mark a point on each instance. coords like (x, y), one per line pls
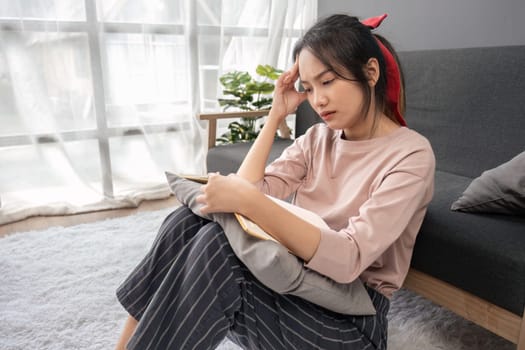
(190, 292)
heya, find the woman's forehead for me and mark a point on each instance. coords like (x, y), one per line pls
(310, 67)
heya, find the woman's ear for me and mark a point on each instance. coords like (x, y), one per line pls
(372, 71)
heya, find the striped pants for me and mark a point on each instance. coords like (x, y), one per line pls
(190, 292)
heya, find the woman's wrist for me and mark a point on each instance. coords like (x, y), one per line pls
(249, 202)
(275, 118)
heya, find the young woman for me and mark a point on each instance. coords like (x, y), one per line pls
(366, 174)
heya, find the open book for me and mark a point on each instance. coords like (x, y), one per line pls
(255, 230)
(202, 179)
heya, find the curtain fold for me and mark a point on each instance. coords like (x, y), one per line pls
(99, 98)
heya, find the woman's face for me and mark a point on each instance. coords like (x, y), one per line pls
(338, 102)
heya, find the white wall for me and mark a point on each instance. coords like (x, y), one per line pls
(435, 24)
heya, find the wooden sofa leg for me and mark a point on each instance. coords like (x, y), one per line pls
(489, 316)
(521, 339)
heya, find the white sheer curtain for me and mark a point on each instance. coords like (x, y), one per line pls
(99, 98)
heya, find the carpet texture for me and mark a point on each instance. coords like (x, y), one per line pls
(57, 291)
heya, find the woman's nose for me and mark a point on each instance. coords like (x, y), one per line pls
(319, 99)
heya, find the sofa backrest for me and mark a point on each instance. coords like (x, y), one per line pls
(470, 104)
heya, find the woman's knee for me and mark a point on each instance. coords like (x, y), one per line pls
(211, 238)
(180, 222)
(183, 215)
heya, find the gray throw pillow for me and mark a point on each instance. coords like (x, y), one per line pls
(500, 190)
(274, 266)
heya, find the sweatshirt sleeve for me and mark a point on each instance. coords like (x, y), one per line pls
(284, 175)
(395, 208)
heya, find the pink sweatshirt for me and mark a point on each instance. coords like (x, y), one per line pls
(373, 195)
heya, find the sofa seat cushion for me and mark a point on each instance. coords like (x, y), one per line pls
(225, 158)
(483, 254)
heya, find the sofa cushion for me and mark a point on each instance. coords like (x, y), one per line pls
(483, 254)
(226, 159)
(499, 190)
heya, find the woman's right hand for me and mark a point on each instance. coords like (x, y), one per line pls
(286, 98)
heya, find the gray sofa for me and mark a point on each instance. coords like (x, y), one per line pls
(470, 104)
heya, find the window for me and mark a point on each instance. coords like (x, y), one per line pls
(103, 94)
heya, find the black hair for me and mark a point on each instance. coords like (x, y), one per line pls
(345, 45)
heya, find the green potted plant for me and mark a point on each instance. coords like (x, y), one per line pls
(245, 93)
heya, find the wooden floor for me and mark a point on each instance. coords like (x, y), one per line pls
(42, 222)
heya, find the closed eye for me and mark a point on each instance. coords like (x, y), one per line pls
(327, 82)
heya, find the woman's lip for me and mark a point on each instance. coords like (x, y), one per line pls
(327, 115)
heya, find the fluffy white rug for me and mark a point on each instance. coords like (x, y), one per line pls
(57, 292)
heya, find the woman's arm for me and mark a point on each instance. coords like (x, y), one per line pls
(252, 167)
(299, 236)
(237, 194)
(233, 194)
(286, 99)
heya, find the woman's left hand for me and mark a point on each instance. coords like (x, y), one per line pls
(225, 194)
